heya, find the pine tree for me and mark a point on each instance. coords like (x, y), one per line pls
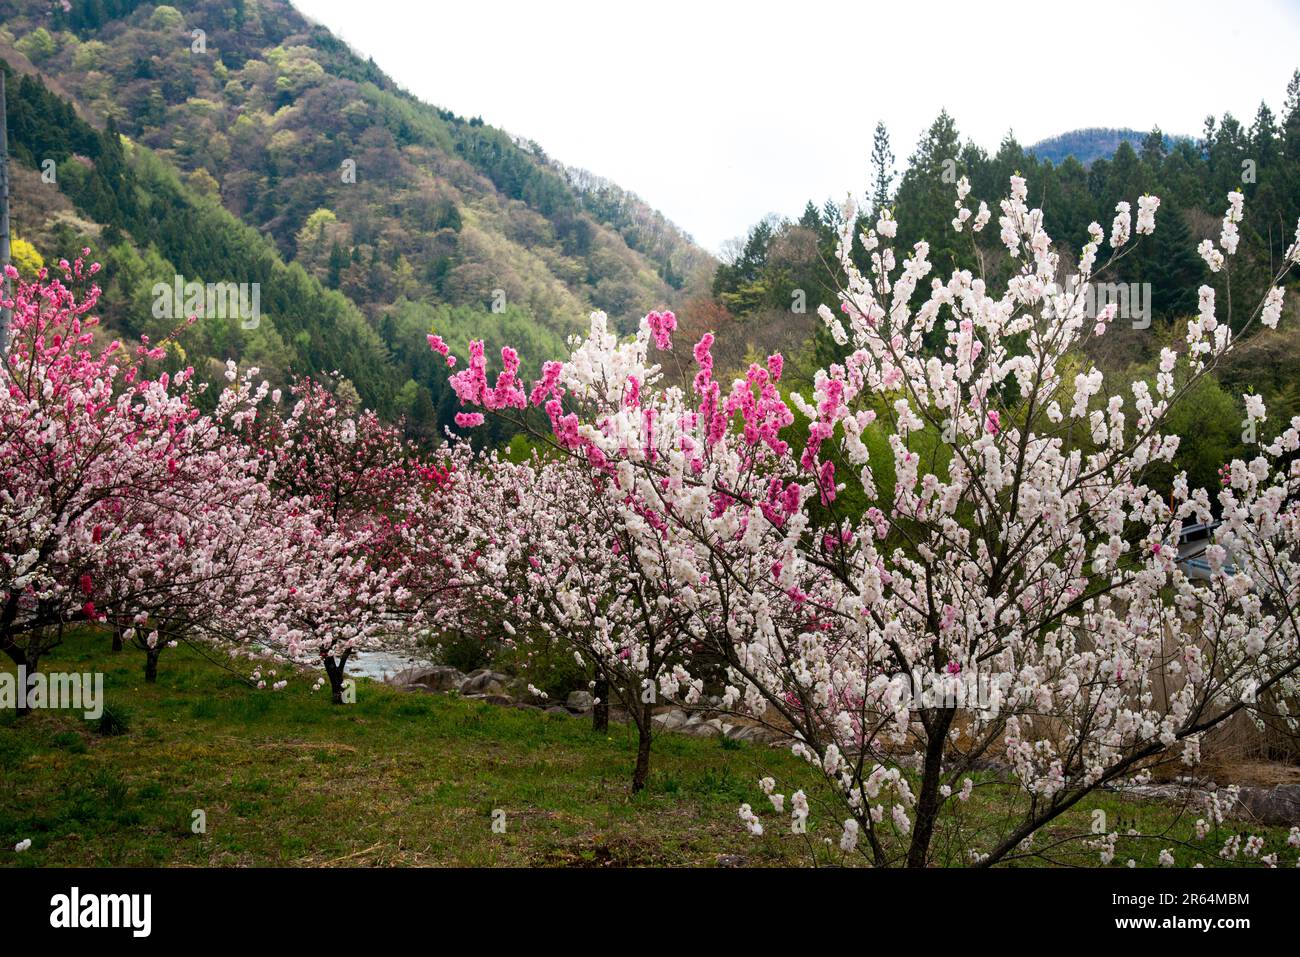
(882, 169)
(1168, 261)
(926, 192)
(1263, 138)
(1153, 150)
(337, 263)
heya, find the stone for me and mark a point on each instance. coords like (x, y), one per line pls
(1277, 805)
(730, 860)
(525, 706)
(431, 678)
(485, 682)
(555, 709)
(670, 720)
(500, 700)
(579, 701)
(703, 729)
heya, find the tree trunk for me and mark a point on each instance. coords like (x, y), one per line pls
(927, 806)
(19, 656)
(117, 638)
(151, 664)
(643, 727)
(24, 659)
(600, 711)
(15, 652)
(334, 668)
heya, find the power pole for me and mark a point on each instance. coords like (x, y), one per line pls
(5, 288)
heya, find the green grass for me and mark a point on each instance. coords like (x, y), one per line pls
(286, 778)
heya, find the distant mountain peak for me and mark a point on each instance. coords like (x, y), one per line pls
(1091, 143)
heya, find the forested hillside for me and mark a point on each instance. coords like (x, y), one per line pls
(255, 147)
(237, 142)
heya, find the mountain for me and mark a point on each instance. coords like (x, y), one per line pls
(1089, 144)
(234, 141)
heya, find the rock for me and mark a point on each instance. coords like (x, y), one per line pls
(555, 709)
(1278, 805)
(500, 700)
(484, 681)
(669, 720)
(433, 678)
(525, 706)
(579, 701)
(703, 729)
(730, 860)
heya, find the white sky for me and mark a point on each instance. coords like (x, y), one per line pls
(719, 112)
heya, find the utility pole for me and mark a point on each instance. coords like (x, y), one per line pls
(5, 289)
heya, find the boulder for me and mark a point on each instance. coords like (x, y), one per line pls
(669, 720)
(555, 709)
(484, 681)
(580, 701)
(430, 678)
(1277, 805)
(703, 729)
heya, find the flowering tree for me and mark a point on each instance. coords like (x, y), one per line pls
(586, 583)
(86, 438)
(192, 558)
(359, 551)
(1007, 554)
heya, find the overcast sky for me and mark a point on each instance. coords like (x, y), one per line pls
(720, 112)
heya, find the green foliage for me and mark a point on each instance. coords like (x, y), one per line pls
(114, 721)
(1209, 424)
(548, 666)
(463, 651)
(38, 46)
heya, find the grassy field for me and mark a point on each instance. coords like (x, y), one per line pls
(285, 778)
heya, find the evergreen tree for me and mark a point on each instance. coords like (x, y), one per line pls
(337, 263)
(1153, 150)
(882, 169)
(926, 193)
